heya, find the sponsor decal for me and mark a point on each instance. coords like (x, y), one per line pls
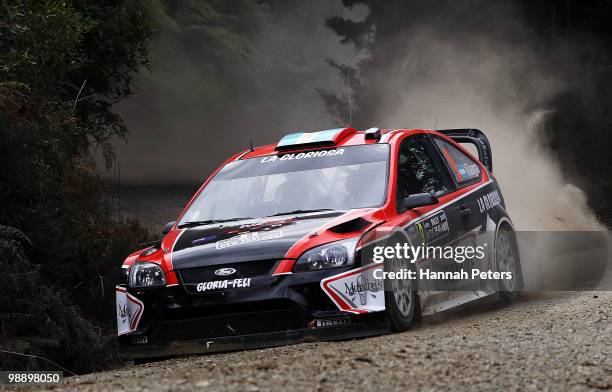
(331, 322)
(362, 287)
(429, 230)
(488, 201)
(225, 271)
(204, 240)
(267, 225)
(223, 284)
(247, 238)
(468, 170)
(303, 155)
(435, 227)
(129, 310)
(141, 340)
(356, 291)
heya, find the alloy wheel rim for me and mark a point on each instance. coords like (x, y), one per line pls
(402, 292)
(506, 260)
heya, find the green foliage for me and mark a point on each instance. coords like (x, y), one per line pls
(336, 105)
(62, 65)
(220, 28)
(40, 42)
(208, 44)
(39, 320)
(79, 57)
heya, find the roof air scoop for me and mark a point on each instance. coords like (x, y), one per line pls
(302, 140)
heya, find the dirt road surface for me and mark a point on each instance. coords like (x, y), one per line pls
(543, 342)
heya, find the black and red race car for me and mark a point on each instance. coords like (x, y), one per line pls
(282, 244)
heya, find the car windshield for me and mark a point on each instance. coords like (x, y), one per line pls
(337, 179)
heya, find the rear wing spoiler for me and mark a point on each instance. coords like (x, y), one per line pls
(475, 137)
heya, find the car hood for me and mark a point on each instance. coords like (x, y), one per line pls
(256, 239)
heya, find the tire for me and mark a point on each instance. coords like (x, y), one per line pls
(401, 301)
(507, 259)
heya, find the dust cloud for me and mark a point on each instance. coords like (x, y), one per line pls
(498, 87)
(501, 86)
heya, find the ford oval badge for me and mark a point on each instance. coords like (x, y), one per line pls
(225, 271)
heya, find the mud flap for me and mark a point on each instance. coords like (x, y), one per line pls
(129, 311)
(357, 291)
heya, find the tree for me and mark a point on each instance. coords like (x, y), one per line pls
(62, 66)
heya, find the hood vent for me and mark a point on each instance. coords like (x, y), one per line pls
(351, 226)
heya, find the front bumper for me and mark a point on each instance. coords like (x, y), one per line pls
(277, 310)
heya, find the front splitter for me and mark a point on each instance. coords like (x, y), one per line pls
(254, 341)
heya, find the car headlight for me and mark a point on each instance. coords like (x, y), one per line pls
(144, 275)
(332, 255)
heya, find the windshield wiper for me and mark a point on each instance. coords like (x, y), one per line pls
(302, 211)
(209, 222)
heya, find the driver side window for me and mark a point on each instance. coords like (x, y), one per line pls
(420, 169)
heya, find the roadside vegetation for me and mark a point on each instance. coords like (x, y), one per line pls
(63, 65)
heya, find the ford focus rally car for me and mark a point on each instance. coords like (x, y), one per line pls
(278, 246)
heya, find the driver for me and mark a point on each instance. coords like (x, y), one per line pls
(358, 181)
(293, 194)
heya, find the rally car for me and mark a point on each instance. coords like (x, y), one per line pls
(282, 243)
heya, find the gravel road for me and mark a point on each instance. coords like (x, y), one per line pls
(549, 342)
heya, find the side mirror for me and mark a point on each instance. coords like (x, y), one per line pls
(419, 200)
(168, 227)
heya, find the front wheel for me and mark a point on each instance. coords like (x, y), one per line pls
(400, 297)
(508, 261)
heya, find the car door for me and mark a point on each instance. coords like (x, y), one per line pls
(466, 174)
(421, 169)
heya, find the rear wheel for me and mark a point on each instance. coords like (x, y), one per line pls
(400, 297)
(507, 259)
